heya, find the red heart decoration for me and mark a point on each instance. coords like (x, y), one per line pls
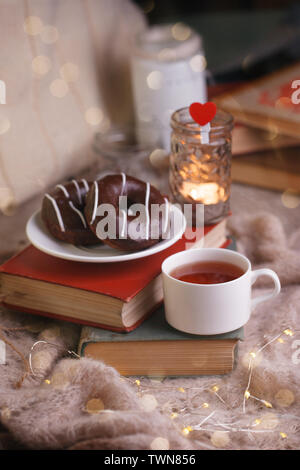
(203, 113)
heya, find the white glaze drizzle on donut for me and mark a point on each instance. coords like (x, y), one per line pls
(147, 209)
(78, 191)
(78, 212)
(122, 211)
(60, 186)
(123, 183)
(124, 219)
(95, 202)
(57, 211)
(85, 183)
(166, 215)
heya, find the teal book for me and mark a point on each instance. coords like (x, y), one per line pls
(156, 349)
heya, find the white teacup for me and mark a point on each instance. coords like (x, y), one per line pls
(209, 309)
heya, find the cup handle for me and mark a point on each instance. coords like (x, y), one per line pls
(277, 286)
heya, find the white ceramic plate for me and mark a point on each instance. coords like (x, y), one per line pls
(44, 241)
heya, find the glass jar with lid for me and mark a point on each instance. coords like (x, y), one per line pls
(168, 72)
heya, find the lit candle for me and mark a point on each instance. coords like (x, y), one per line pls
(204, 193)
(200, 168)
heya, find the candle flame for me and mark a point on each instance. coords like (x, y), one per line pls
(207, 193)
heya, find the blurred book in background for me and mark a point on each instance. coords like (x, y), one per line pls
(246, 140)
(267, 103)
(264, 158)
(266, 138)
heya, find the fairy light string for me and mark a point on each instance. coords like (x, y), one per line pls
(207, 422)
(63, 348)
(212, 425)
(247, 394)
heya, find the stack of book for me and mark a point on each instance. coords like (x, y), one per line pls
(266, 140)
(115, 302)
(156, 349)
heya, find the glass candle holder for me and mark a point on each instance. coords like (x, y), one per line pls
(200, 163)
(119, 150)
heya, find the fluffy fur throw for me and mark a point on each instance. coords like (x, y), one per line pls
(83, 404)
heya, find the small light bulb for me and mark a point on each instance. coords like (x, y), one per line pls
(181, 389)
(47, 381)
(186, 430)
(247, 394)
(174, 415)
(288, 332)
(280, 340)
(215, 388)
(257, 421)
(205, 405)
(138, 382)
(252, 354)
(267, 404)
(283, 435)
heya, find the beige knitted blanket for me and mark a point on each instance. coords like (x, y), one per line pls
(83, 404)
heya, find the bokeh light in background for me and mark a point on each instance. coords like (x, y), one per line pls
(290, 199)
(198, 63)
(94, 406)
(94, 116)
(155, 80)
(33, 25)
(59, 88)
(69, 72)
(271, 133)
(4, 125)
(284, 397)
(148, 6)
(148, 402)
(220, 439)
(41, 65)
(160, 443)
(181, 32)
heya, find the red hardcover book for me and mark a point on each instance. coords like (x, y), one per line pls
(116, 296)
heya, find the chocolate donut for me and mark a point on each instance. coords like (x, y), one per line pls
(62, 213)
(131, 230)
